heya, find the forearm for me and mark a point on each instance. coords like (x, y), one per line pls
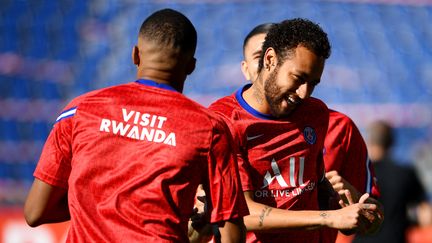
(232, 231)
(265, 218)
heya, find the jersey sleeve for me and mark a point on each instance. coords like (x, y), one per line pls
(244, 168)
(358, 169)
(226, 196)
(54, 165)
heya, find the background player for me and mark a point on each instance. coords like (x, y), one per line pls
(123, 162)
(345, 156)
(281, 136)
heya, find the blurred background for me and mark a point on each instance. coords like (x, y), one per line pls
(52, 51)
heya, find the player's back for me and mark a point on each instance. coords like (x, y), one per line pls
(139, 153)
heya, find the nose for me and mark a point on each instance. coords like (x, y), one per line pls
(304, 90)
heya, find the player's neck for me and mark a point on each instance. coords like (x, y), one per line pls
(256, 99)
(161, 77)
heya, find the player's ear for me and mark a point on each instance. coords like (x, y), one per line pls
(270, 58)
(191, 66)
(244, 69)
(135, 56)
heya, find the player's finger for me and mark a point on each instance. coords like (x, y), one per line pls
(342, 196)
(369, 207)
(331, 173)
(349, 197)
(334, 181)
(338, 186)
(341, 203)
(363, 198)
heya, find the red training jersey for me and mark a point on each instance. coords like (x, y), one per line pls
(346, 152)
(132, 156)
(280, 160)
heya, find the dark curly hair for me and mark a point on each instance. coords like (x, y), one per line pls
(287, 35)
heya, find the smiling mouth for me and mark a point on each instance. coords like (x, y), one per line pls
(293, 101)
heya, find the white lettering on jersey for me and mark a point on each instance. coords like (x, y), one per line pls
(147, 127)
(268, 178)
(144, 119)
(289, 193)
(292, 177)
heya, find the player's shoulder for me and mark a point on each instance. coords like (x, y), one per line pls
(340, 118)
(202, 115)
(312, 101)
(225, 105)
(85, 97)
(315, 106)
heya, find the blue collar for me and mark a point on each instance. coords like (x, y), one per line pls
(247, 107)
(155, 84)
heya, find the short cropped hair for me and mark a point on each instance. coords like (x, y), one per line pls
(170, 28)
(381, 133)
(259, 29)
(287, 35)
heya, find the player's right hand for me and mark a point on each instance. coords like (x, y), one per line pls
(351, 217)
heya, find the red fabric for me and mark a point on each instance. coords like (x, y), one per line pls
(276, 161)
(346, 152)
(132, 157)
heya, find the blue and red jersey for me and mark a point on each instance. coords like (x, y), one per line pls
(280, 160)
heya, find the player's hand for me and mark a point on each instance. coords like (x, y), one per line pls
(350, 218)
(199, 228)
(372, 219)
(339, 184)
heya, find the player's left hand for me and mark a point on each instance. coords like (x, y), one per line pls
(339, 184)
(200, 229)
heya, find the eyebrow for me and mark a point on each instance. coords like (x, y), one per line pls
(256, 53)
(305, 76)
(300, 74)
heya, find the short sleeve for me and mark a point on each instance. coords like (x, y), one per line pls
(226, 196)
(357, 165)
(358, 168)
(54, 165)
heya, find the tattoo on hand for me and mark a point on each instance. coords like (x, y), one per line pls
(265, 212)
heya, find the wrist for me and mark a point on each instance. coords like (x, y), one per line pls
(324, 217)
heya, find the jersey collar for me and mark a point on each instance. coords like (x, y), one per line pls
(247, 107)
(155, 84)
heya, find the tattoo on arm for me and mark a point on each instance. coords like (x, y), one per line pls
(324, 215)
(265, 212)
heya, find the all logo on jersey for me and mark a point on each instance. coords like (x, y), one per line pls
(268, 178)
(309, 135)
(296, 185)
